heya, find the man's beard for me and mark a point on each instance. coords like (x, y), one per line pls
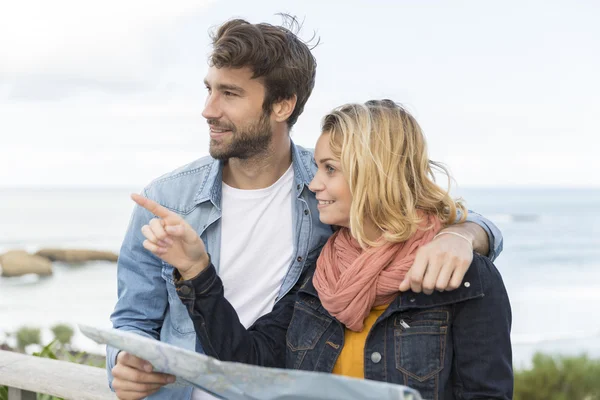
(246, 142)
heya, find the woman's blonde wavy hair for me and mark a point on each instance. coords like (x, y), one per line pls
(383, 155)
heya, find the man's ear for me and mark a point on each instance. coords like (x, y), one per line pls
(284, 108)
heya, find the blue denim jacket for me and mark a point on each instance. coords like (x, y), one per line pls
(147, 302)
(449, 345)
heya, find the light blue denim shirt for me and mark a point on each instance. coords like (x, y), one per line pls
(147, 302)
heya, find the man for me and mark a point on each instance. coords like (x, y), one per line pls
(251, 205)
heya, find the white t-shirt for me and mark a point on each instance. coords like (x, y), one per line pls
(257, 247)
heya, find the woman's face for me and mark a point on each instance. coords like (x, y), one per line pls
(330, 186)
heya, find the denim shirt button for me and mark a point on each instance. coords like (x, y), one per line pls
(467, 284)
(376, 357)
(298, 187)
(299, 259)
(305, 212)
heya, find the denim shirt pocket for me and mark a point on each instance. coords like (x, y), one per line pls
(420, 347)
(304, 332)
(177, 313)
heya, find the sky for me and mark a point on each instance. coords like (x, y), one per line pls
(111, 93)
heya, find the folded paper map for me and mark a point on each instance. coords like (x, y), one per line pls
(236, 381)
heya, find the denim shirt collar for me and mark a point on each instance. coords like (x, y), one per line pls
(210, 188)
(303, 173)
(471, 287)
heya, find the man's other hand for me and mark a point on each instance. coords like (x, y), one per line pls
(134, 379)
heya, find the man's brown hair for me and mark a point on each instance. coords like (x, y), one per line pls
(273, 53)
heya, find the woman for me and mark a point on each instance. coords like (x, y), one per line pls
(346, 315)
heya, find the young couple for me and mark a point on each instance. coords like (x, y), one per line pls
(354, 262)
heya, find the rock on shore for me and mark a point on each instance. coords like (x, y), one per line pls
(75, 256)
(19, 262)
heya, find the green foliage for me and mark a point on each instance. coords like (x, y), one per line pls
(559, 378)
(27, 336)
(51, 351)
(41, 396)
(88, 359)
(47, 351)
(62, 332)
(55, 350)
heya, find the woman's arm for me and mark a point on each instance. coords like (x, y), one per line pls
(216, 322)
(482, 366)
(220, 331)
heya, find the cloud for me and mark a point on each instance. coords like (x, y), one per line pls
(105, 167)
(52, 87)
(110, 44)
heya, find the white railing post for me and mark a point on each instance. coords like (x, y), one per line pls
(18, 394)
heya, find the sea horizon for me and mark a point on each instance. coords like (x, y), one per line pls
(550, 262)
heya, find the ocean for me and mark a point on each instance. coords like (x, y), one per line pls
(550, 263)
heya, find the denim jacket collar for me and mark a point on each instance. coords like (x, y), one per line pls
(471, 287)
(211, 188)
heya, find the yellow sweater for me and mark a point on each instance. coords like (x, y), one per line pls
(351, 361)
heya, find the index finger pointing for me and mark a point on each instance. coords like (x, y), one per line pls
(151, 206)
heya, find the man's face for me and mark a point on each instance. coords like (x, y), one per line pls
(238, 126)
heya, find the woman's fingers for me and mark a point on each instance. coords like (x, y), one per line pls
(147, 232)
(164, 244)
(157, 226)
(168, 224)
(152, 237)
(154, 248)
(183, 231)
(175, 230)
(164, 214)
(152, 206)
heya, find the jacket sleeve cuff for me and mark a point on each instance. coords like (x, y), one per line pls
(111, 361)
(494, 235)
(200, 284)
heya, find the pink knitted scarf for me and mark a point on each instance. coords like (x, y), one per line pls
(351, 281)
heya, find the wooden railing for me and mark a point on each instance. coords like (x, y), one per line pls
(27, 375)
